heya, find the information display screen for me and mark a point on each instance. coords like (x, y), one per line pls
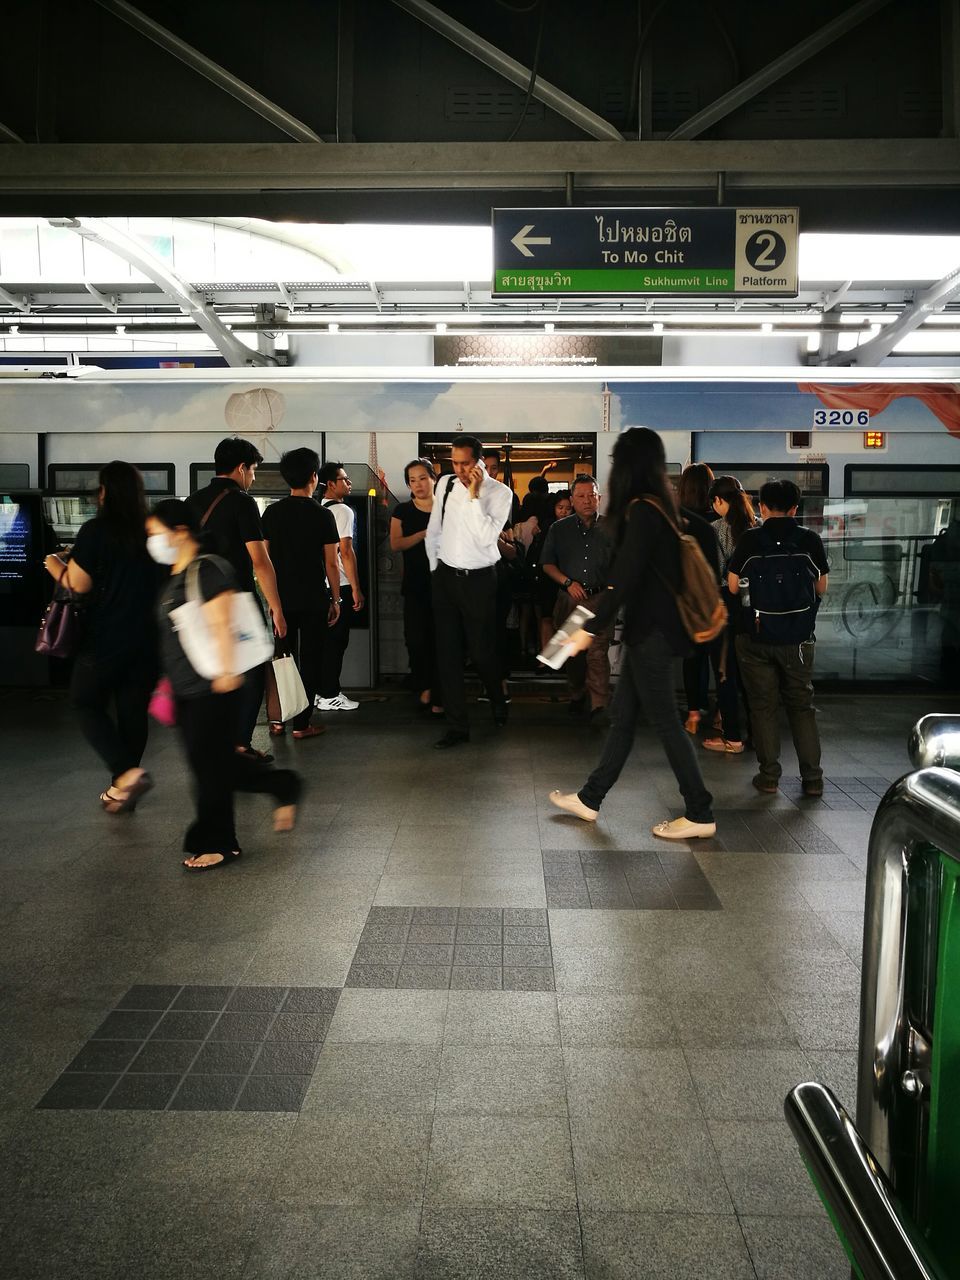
(21, 550)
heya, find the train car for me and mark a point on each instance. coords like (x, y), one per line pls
(876, 456)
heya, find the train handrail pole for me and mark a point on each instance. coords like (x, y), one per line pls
(879, 1237)
(912, 875)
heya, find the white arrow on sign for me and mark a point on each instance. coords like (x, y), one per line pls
(523, 238)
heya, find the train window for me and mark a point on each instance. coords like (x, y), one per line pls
(14, 475)
(813, 480)
(911, 481)
(84, 477)
(269, 482)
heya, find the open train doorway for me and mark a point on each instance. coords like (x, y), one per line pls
(524, 455)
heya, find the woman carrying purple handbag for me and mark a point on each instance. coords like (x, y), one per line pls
(112, 582)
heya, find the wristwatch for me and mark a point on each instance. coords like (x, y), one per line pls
(567, 584)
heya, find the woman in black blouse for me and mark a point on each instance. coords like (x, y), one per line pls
(644, 578)
(116, 664)
(408, 532)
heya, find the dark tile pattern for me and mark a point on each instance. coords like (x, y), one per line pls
(840, 793)
(461, 948)
(196, 1048)
(668, 881)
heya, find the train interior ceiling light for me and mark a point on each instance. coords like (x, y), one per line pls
(267, 282)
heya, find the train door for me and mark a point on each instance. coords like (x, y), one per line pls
(524, 455)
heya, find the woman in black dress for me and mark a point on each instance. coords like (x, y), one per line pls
(116, 665)
(408, 532)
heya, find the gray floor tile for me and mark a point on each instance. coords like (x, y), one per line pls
(732, 1087)
(657, 1246)
(406, 1017)
(726, 1021)
(603, 1018)
(476, 978)
(505, 1080)
(399, 1078)
(608, 969)
(501, 1018)
(517, 1244)
(827, 1020)
(496, 1161)
(763, 1168)
(369, 1158)
(353, 1243)
(652, 1165)
(629, 1083)
(795, 1248)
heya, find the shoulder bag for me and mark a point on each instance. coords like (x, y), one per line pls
(59, 634)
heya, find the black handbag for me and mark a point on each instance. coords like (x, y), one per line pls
(59, 634)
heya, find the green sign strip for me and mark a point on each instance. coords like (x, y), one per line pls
(614, 280)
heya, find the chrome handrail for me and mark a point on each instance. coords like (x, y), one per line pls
(884, 1242)
(922, 809)
(935, 740)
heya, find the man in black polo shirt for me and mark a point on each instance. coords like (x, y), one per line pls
(302, 539)
(231, 518)
(780, 573)
(576, 555)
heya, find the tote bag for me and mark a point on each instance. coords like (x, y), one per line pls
(59, 634)
(286, 696)
(252, 643)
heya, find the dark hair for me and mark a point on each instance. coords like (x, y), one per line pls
(123, 508)
(469, 442)
(492, 453)
(558, 496)
(538, 485)
(419, 462)
(582, 478)
(234, 452)
(779, 495)
(174, 513)
(695, 482)
(329, 472)
(639, 469)
(740, 516)
(298, 466)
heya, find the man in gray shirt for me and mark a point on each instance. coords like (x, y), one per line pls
(577, 555)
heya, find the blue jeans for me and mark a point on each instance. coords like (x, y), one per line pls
(646, 683)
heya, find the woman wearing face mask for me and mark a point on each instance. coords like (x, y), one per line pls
(408, 531)
(207, 709)
(116, 664)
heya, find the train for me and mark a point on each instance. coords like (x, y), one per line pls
(876, 457)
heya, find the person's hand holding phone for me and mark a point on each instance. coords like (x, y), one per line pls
(476, 480)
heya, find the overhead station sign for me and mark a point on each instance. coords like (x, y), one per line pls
(645, 251)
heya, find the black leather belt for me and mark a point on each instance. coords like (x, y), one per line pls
(464, 573)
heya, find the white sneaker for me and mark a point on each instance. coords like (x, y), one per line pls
(573, 804)
(340, 703)
(684, 829)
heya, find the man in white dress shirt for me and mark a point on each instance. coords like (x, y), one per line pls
(469, 512)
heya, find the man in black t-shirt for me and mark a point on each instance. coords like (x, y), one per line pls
(302, 539)
(785, 567)
(231, 519)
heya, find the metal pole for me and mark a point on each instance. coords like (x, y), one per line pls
(510, 69)
(211, 70)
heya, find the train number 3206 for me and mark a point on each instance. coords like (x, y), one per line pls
(841, 417)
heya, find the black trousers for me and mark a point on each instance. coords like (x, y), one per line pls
(335, 646)
(306, 638)
(208, 728)
(464, 613)
(248, 705)
(419, 637)
(111, 699)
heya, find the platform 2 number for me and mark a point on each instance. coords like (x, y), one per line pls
(841, 417)
(765, 250)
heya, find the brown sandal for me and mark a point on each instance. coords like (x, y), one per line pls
(311, 731)
(277, 728)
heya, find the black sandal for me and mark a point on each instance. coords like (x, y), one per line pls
(134, 794)
(226, 859)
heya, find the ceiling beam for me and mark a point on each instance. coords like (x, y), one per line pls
(510, 69)
(21, 303)
(112, 303)
(786, 62)
(927, 303)
(210, 70)
(8, 135)
(208, 168)
(134, 252)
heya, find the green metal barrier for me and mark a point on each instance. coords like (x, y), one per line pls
(907, 1136)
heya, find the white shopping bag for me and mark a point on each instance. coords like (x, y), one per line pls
(291, 695)
(252, 643)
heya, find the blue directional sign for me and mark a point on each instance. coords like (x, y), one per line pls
(645, 251)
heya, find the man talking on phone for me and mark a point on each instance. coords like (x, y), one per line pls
(469, 512)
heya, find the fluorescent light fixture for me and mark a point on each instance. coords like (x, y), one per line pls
(440, 326)
(766, 327)
(658, 326)
(333, 327)
(548, 327)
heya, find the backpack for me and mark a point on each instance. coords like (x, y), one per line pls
(783, 595)
(703, 614)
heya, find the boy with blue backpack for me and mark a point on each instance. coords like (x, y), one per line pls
(779, 571)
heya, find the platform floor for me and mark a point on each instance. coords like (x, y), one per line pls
(440, 1030)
